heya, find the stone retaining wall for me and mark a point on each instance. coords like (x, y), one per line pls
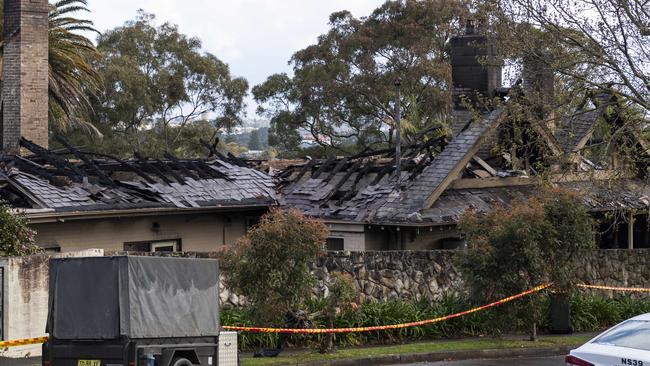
(415, 275)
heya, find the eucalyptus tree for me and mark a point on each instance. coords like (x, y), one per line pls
(157, 79)
(343, 85)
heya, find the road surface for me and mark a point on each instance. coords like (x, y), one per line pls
(534, 361)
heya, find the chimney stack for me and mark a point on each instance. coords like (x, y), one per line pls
(475, 65)
(539, 80)
(25, 74)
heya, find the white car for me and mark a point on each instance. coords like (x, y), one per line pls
(626, 344)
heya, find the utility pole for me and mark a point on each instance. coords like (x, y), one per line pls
(398, 142)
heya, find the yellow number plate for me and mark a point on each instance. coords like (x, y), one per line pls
(89, 363)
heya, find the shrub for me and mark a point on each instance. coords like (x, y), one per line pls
(512, 249)
(16, 238)
(270, 264)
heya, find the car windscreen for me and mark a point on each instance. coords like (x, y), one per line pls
(630, 334)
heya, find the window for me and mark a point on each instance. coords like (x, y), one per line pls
(334, 244)
(252, 221)
(154, 246)
(50, 248)
(629, 334)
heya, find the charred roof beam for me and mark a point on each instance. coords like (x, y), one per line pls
(148, 166)
(62, 164)
(102, 176)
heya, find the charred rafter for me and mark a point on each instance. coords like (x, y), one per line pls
(64, 167)
(88, 162)
(151, 168)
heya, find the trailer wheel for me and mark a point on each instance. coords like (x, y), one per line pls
(180, 362)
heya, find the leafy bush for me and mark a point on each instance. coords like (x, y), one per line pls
(16, 238)
(512, 249)
(270, 264)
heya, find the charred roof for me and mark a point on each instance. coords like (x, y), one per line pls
(75, 180)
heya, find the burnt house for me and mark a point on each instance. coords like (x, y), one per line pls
(493, 154)
(76, 199)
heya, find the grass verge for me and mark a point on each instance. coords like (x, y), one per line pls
(424, 347)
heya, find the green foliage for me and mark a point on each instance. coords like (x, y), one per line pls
(341, 293)
(270, 264)
(530, 243)
(590, 313)
(157, 83)
(72, 76)
(16, 238)
(343, 86)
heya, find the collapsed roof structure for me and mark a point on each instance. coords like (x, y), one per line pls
(74, 180)
(477, 164)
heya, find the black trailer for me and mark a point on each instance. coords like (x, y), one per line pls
(132, 311)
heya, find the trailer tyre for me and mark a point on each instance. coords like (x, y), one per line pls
(180, 362)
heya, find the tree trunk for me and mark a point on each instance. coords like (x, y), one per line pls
(327, 343)
(533, 332)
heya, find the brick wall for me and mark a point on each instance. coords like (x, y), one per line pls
(25, 73)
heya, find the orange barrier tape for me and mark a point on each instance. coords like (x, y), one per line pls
(386, 327)
(629, 289)
(23, 342)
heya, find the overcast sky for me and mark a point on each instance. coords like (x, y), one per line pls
(255, 37)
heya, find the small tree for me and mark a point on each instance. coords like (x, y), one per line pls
(270, 264)
(341, 294)
(16, 238)
(531, 243)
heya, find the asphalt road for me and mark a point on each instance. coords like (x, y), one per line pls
(536, 361)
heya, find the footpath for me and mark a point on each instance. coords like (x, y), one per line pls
(431, 351)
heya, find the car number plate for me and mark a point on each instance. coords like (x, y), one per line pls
(89, 363)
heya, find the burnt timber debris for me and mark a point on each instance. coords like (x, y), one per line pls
(74, 180)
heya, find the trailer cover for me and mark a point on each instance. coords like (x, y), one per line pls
(137, 297)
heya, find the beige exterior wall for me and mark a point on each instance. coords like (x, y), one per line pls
(25, 298)
(198, 232)
(352, 234)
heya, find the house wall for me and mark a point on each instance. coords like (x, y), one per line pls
(442, 237)
(25, 290)
(198, 232)
(388, 238)
(352, 234)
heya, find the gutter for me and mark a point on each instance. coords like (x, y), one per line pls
(41, 217)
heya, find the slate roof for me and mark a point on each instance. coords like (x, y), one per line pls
(576, 127)
(104, 185)
(366, 192)
(452, 158)
(596, 196)
(358, 191)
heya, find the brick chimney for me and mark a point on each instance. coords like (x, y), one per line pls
(539, 80)
(25, 74)
(475, 65)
